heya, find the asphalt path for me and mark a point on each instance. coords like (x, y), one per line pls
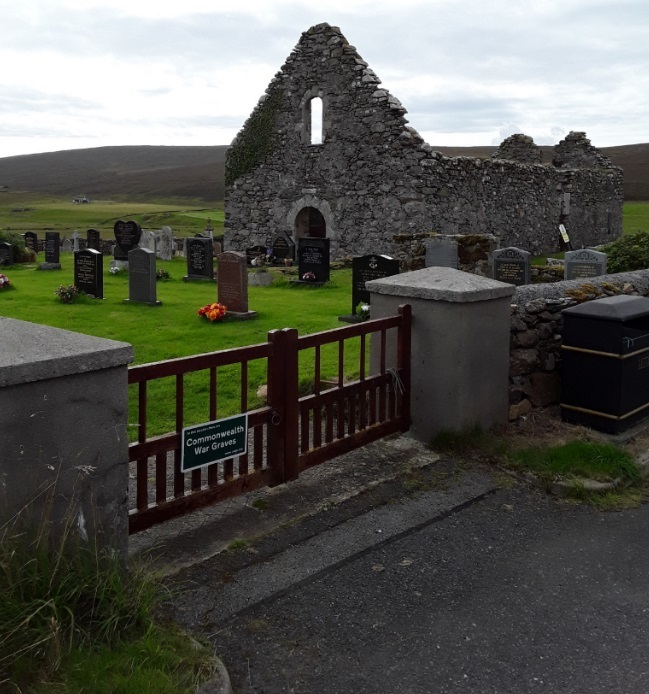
(501, 591)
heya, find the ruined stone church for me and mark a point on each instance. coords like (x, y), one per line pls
(329, 153)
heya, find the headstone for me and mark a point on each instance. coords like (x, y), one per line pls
(141, 277)
(233, 284)
(200, 264)
(89, 272)
(208, 232)
(254, 252)
(75, 240)
(511, 265)
(52, 246)
(148, 240)
(313, 259)
(366, 268)
(441, 251)
(216, 248)
(584, 263)
(93, 239)
(31, 241)
(283, 247)
(6, 253)
(165, 250)
(127, 237)
(66, 246)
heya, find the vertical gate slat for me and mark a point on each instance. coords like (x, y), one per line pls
(243, 459)
(160, 477)
(362, 392)
(213, 398)
(258, 447)
(228, 469)
(317, 411)
(179, 477)
(382, 386)
(305, 422)
(141, 470)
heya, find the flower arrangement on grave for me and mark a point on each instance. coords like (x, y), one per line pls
(67, 294)
(115, 270)
(363, 311)
(309, 276)
(4, 282)
(162, 275)
(213, 312)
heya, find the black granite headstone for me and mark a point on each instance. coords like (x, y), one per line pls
(313, 260)
(93, 239)
(89, 272)
(283, 247)
(6, 253)
(200, 265)
(31, 241)
(127, 237)
(52, 246)
(366, 268)
(511, 265)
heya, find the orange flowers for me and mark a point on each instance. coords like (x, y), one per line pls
(213, 312)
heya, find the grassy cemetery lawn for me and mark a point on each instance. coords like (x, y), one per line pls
(175, 329)
(635, 217)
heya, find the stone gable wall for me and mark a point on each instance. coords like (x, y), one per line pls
(374, 177)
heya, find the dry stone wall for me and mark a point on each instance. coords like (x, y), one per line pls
(374, 178)
(536, 330)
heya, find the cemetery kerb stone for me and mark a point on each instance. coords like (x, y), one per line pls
(583, 264)
(89, 272)
(6, 254)
(31, 241)
(200, 261)
(52, 247)
(366, 268)
(93, 239)
(441, 251)
(511, 265)
(127, 237)
(283, 247)
(233, 284)
(313, 256)
(141, 277)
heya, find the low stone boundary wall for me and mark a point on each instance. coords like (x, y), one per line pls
(536, 331)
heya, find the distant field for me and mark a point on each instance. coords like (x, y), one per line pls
(30, 212)
(636, 217)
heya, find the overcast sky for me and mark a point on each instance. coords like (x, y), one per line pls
(91, 73)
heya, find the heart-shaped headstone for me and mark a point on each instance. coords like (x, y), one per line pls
(127, 235)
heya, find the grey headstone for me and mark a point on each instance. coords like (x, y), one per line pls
(584, 263)
(141, 276)
(441, 251)
(165, 250)
(511, 265)
(75, 240)
(66, 246)
(31, 241)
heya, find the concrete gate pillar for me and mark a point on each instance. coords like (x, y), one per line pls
(63, 443)
(460, 346)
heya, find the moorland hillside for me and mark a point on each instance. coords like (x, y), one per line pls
(160, 173)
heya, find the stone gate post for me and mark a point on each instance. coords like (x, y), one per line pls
(460, 346)
(63, 444)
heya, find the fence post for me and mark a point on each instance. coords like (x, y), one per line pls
(282, 449)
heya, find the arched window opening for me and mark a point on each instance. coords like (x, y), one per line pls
(310, 223)
(317, 135)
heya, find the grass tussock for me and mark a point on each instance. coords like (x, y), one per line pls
(73, 619)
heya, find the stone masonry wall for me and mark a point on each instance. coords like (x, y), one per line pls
(374, 178)
(536, 329)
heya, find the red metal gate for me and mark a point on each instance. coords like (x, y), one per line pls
(288, 434)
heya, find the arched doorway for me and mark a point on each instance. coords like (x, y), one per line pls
(309, 222)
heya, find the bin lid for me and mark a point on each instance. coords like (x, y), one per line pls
(613, 308)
